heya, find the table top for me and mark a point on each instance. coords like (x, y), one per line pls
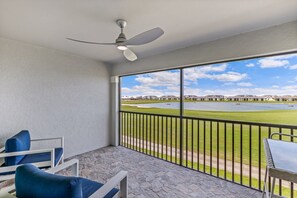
(283, 154)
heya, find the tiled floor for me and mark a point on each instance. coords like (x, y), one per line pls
(151, 177)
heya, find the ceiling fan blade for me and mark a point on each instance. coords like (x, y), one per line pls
(90, 42)
(131, 56)
(145, 37)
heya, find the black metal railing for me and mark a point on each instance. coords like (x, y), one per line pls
(227, 149)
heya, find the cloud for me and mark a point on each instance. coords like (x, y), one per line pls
(245, 84)
(229, 77)
(157, 84)
(250, 65)
(275, 86)
(212, 68)
(200, 72)
(167, 82)
(157, 79)
(276, 61)
(272, 63)
(213, 73)
(296, 78)
(293, 67)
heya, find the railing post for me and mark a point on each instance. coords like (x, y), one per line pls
(181, 112)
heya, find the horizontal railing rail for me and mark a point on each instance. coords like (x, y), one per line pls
(220, 120)
(227, 149)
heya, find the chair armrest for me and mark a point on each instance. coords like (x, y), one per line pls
(282, 134)
(74, 164)
(120, 178)
(48, 139)
(30, 152)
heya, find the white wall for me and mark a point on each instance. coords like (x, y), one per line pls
(52, 93)
(274, 39)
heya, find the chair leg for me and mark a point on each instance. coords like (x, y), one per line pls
(75, 169)
(124, 188)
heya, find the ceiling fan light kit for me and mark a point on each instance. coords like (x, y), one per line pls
(122, 47)
(121, 42)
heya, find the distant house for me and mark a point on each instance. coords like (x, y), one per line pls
(150, 97)
(190, 97)
(246, 98)
(200, 98)
(294, 98)
(139, 98)
(237, 98)
(286, 98)
(169, 97)
(214, 98)
(269, 97)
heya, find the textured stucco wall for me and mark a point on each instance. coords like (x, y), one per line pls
(52, 93)
(269, 40)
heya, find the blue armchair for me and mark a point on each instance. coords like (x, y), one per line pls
(17, 152)
(31, 182)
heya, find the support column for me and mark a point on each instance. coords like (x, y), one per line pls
(114, 102)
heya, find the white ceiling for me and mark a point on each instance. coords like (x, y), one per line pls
(185, 22)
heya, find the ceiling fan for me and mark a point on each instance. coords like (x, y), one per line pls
(121, 42)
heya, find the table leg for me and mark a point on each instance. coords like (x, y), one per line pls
(265, 182)
(272, 188)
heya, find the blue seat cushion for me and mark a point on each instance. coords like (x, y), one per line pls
(31, 182)
(19, 142)
(40, 157)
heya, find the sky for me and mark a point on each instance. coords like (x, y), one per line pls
(276, 75)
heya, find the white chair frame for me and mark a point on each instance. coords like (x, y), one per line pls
(51, 163)
(119, 179)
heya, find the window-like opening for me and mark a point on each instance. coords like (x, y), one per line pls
(213, 118)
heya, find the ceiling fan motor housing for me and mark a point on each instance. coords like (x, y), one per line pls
(121, 38)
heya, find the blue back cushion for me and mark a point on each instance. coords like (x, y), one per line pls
(30, 182)
(19, 142)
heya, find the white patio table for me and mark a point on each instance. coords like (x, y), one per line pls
(281, 162)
